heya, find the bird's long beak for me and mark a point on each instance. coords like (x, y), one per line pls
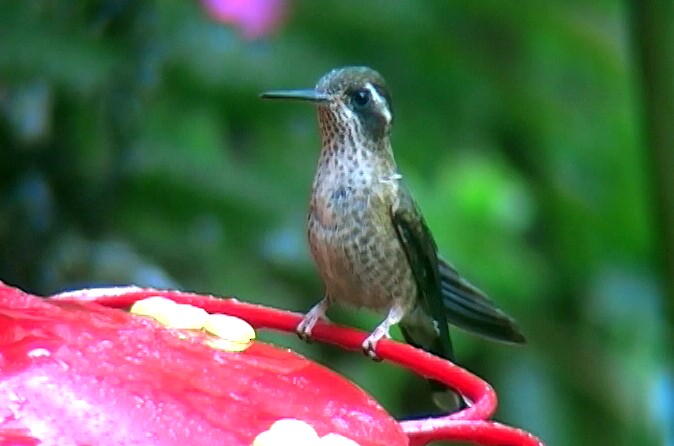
(300, 95)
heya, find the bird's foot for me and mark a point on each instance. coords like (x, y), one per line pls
(395, 315)
(369, 346)
(306, 326)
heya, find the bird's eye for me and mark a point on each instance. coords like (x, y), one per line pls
(361, 97)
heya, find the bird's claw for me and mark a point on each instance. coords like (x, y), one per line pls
(304, 336)
(306, 325)
(369, 345)
(369, 349)
(304, 329)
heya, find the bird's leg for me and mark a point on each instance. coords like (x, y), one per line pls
(395, 315)
(307, 324)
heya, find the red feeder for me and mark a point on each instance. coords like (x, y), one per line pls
(75, 369)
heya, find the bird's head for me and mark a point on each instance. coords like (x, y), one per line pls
(353, 103)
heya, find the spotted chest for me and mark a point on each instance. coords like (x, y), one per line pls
(351, 236)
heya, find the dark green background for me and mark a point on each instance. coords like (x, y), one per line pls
(135, 150)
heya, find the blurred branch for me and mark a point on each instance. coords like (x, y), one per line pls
(653, 34)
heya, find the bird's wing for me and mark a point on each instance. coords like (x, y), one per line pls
(421, 252)
(468, 308)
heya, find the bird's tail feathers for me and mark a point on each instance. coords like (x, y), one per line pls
(425, 337)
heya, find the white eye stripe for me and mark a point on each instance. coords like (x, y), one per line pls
(379, 100)
(375, 94)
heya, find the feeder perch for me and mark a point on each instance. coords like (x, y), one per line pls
(77, 369)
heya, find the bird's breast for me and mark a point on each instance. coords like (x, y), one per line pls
(352, 239)
(341, 203)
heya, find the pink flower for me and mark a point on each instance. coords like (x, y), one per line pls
(255, 18)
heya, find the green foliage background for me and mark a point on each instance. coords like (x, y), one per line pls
(135, 150)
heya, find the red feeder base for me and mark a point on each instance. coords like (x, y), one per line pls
(74, 369)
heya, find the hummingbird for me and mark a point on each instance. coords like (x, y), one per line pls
(368, 239)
